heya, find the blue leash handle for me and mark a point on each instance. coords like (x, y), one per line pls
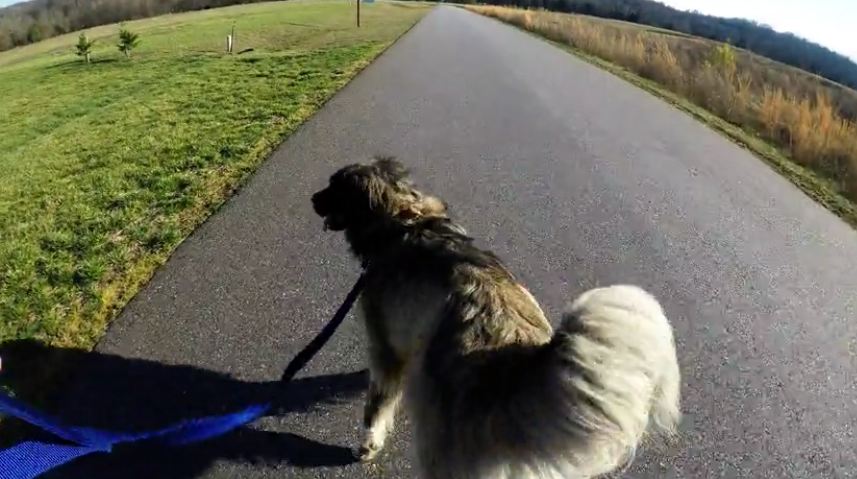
(31, 459)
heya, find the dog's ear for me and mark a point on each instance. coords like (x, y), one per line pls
(423, 207)
(391, 168)
(431, 206)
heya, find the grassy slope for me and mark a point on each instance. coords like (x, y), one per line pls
(821, 189)
(107, 167)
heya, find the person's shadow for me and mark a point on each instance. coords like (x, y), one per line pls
(107, 391)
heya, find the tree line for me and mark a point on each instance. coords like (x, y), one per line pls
(36, 20)
(761, 39)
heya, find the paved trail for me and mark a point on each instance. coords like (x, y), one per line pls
(576, 179)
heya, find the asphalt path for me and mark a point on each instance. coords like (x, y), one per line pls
(576, 179)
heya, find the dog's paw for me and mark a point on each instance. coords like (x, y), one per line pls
(368, 451)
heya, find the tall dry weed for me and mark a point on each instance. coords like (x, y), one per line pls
(662, 65)
(851, 146)
(772, 110)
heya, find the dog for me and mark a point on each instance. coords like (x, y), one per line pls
(491, 390)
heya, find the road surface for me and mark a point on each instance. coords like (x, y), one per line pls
(576, 179)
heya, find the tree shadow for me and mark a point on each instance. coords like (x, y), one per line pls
(109, 392)
(68, 65)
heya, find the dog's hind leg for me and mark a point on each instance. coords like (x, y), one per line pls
(385, 392)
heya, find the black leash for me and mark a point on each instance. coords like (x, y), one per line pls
(323, 336)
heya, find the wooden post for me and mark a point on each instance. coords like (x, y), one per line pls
(232, 39)
(358, 13)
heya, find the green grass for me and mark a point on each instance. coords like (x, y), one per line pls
(107, 167)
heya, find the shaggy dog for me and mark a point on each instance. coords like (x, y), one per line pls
(491, 390)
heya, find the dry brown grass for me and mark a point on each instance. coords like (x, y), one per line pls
(794, 111)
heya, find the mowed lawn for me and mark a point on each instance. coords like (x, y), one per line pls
(105, 168)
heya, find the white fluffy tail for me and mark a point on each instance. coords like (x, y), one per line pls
(621, 356)
(666, 412)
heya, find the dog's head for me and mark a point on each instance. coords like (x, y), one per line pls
(360, 195)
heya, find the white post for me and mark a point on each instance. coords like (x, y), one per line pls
(228, 43)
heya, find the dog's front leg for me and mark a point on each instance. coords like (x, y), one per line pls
(385, 392)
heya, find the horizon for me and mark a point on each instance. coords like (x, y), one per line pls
(825, 22)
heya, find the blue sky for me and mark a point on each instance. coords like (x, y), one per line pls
(828, 22)
(832, 23)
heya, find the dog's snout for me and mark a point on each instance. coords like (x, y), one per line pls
(319, 204)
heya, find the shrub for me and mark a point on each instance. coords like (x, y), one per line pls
(722, 57)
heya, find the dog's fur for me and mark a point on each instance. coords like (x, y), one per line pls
(492, 392)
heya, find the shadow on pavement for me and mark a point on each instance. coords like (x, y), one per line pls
(112, 392)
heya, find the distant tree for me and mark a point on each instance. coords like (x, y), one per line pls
(127, 40)
(5, 41)
(34, 33)
(84, 47)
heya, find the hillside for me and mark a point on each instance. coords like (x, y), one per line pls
(36, 20)
(783, 47)
(794, 82)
